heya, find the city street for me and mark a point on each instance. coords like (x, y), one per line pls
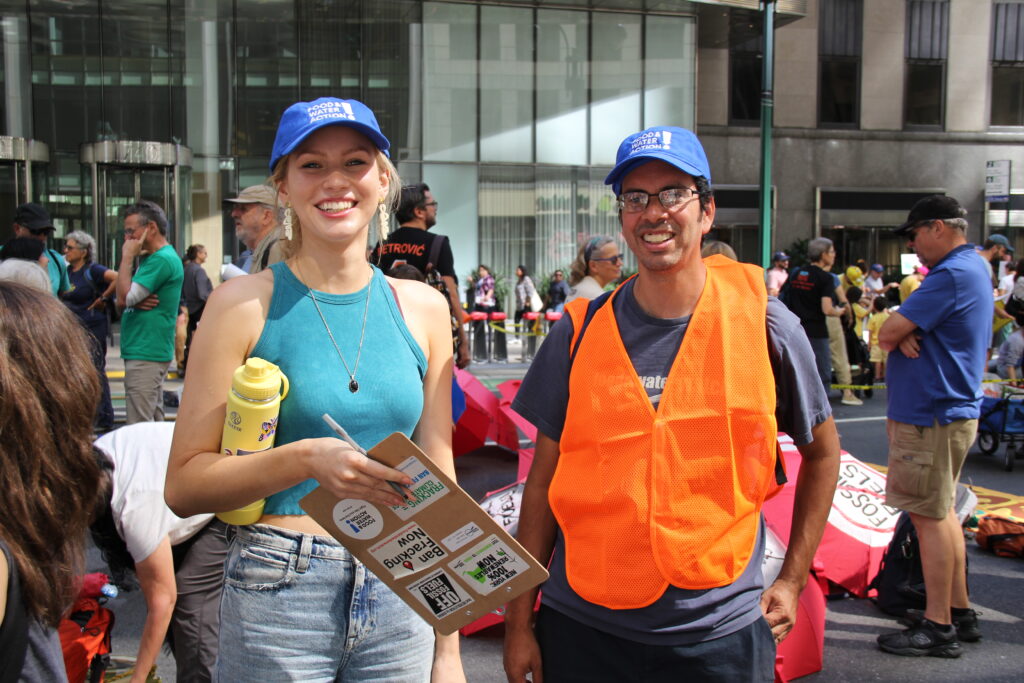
(852, 625)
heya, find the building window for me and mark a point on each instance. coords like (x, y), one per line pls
(926, 50)
(1007, 64)
(745, 69)
(839, 49)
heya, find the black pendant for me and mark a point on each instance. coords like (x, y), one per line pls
(353, 386)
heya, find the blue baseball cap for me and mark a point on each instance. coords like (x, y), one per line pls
(676, 146)
(303, 118)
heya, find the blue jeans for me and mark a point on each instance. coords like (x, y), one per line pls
(298, 607)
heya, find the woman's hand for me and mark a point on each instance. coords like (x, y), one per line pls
(347, 473)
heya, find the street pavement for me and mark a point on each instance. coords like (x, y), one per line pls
(997, 589)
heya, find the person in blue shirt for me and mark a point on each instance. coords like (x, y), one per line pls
(33, 221)
(937, 342)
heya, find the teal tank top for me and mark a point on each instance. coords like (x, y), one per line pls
(390, 373)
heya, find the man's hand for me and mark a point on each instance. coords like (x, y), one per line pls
(778, 604)
(910, 346)
(132, 246)
(462, 359)
(148, 304)
(522, 655)
(98, 305)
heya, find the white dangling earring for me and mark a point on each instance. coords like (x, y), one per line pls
(383, 221)
(287, 224)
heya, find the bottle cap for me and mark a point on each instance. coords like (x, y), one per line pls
(259, 380)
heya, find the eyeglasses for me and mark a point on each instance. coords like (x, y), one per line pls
(68, 247)
(611, 259)
(433, 203)
(636, 200)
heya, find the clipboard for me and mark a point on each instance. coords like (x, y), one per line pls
(441, 553)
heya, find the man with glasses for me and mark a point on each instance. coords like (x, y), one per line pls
(33, 221)
(150, 298)
(257, 226)
(429, 253)
(658, 407)
(936, 342)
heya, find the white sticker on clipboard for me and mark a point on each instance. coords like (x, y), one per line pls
(407, 551)
(426, 487)
(489, 565)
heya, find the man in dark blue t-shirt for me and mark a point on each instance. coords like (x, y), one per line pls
(937, 342)
(628, 399)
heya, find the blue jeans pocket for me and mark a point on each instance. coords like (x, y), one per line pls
(256, 567)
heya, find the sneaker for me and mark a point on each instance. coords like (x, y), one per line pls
(852, 401)
(967, 628)
(927, 638)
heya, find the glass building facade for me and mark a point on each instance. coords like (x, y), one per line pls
(510, 111)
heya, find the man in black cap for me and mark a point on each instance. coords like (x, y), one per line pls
(32, 220)
(936, 342)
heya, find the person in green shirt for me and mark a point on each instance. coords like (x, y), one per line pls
(150, 301)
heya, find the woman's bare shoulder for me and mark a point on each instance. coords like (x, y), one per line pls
(417, 294)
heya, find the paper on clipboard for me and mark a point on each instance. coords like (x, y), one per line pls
(441, 553)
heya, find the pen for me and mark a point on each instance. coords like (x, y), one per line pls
(340, 431)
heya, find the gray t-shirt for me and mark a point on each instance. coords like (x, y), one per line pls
(679, 616)
(1010, 354)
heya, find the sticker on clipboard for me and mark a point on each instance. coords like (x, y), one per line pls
(408, 551)
(440, 594)
(462, 536)
(357, 519)
(426, 487)
(489, 565)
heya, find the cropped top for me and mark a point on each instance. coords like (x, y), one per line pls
(390, 372)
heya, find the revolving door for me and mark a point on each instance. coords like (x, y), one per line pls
(119, 173)
(22, 177)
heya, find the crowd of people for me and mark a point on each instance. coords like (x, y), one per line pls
(654, 557)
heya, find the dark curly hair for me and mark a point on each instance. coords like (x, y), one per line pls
(104, 530)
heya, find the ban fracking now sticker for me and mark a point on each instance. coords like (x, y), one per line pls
(488, 565)
(358, 519)
(425, 487)
(407, 551)
(440, 593)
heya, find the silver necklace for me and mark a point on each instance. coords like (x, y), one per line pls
(353, 385)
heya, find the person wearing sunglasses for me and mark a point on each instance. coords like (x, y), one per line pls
(598, 262)
(658, 407)
(937, 342)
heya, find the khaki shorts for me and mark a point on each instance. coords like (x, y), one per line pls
(879, 355)
(924, 465)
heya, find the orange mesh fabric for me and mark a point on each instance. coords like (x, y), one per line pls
(648, 498)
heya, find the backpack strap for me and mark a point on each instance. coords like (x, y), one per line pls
(435, 252)
(14, 627)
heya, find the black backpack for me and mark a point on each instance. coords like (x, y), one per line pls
(900, 581)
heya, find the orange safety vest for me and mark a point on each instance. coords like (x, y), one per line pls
(646, 498)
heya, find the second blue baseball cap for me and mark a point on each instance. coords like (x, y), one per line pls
(303, 118)
(676, 146)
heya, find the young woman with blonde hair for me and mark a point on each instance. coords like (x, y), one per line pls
(374, 353)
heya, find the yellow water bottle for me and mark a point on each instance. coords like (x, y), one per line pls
(250, 424)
